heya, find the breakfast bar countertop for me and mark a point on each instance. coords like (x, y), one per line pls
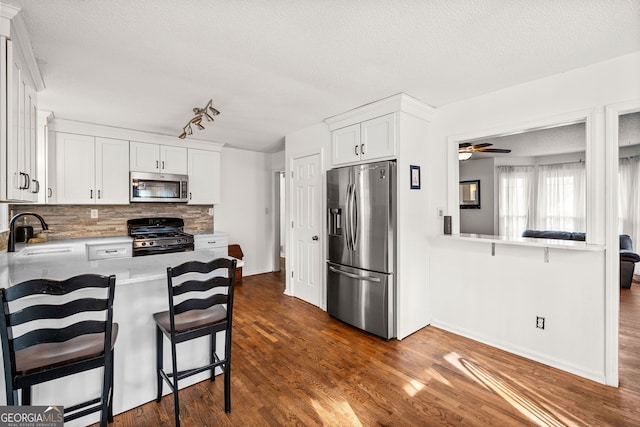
(60, 259)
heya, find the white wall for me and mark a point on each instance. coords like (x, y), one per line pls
(495, 299)
(246, 211)
(479, 221)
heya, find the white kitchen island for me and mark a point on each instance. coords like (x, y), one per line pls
(141, 290)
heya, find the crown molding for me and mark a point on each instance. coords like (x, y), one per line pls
(104, 131)
(399, 102)
(17, 31)
(7, 13)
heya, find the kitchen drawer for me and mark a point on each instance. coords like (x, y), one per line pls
(109, 251)
(216, 241)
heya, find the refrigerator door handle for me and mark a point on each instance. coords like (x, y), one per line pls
(347, 217)
(355, 276)
(354, 219)
(350, 217)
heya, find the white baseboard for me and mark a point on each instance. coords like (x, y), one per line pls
(526, 353)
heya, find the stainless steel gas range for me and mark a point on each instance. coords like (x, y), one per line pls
(159, 236)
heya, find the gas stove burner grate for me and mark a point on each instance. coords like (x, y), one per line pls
(159, 235)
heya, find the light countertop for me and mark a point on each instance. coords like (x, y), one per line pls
(60, 259)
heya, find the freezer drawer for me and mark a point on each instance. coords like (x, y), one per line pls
(361, 298)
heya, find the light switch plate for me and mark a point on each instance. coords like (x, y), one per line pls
(94, 213)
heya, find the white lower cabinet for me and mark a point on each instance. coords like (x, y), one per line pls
(204, 177)
(98, 251)
(89, 170)
(217, 242)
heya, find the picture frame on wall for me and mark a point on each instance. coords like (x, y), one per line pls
(414, 177)
(470, 194)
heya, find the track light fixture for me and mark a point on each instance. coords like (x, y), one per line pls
(207, 112)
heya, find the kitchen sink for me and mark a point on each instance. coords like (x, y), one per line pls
(45, 250)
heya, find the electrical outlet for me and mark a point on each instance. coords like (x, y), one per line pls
(94, 213)
(540, 322)
(210, 211)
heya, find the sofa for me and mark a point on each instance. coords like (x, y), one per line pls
(628, 257)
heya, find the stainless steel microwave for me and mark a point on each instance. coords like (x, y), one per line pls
(159, 187)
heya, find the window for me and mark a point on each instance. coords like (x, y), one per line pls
(629, 198)
(545, 197)
(514, 192)
(560, 203)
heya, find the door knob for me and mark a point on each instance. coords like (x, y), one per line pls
(314, 238)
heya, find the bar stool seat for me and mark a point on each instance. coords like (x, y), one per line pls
(52, 355)
(190, 320)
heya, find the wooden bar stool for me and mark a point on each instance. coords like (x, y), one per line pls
(195, 317)
(34, 353)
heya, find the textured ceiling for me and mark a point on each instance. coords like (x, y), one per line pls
(275, 66)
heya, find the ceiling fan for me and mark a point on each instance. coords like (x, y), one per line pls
(466, 149)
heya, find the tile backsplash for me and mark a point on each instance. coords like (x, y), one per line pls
(71, 221)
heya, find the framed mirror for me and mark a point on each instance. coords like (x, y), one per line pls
(470, 194)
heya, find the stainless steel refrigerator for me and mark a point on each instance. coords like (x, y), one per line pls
(361, 204)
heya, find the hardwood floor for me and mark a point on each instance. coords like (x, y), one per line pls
(294, 365)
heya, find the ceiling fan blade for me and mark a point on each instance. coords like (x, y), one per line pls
(493, 150)
(483, 145)
(464, 144)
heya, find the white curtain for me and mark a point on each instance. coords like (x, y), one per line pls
(561, 197)
(629, 199)
(514, 199)
(545, 197)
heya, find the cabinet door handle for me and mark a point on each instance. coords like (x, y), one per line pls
(98, 194)
(157, 164)
(163, 164)
(27, 181)
(361, 148)
(37, 189)
(23, 185)
(190, 195)
(50, 192)
(91, 194)
(356, 150)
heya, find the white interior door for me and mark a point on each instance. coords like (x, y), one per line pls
(306, 208)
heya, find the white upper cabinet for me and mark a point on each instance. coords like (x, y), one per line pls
(90, 170)
(148, 157)
(112, 171)
(345, 144)
(368, 140)
(18, 115)
(378, 137)
(75, 169)
(173, 159)
(144, 157)
(204, 177)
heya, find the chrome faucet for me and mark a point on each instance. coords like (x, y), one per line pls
(11, 246)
